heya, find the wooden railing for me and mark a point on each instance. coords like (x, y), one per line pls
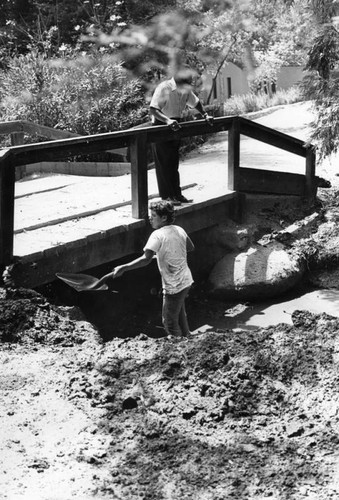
(138, 140)
(18, 128)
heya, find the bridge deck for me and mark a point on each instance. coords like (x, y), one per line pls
(72, 223)
(58, 209)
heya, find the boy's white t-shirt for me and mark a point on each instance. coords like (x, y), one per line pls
(169, 244)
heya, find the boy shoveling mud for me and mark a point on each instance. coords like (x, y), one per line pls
(170, 244)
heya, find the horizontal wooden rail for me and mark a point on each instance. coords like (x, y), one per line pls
(272, 137)
(32, 128)
(10, 127)
(18, 128)
(137, 140)
(263, 181)
(91, 144)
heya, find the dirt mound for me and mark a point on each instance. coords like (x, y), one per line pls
(27, 317)
(243, 415)
(222, 415)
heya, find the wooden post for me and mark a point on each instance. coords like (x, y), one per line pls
(310, 188)
(17, 139)
(233, 154)
(138, 151)
(7, 185)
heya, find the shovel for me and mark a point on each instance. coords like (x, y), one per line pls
(84, 282)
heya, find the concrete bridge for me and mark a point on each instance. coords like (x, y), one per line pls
(60, 226)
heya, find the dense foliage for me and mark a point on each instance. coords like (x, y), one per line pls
(88, 97)
(89, 66)
(48, 24)
(322, 81)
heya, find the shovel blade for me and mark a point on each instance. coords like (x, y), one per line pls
(80, 282)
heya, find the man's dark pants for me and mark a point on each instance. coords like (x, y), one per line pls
(166, 159)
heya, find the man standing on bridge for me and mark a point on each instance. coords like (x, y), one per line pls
(170, 99)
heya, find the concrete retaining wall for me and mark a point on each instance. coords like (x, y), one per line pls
(100, 169)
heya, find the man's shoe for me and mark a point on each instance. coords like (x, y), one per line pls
(182, 199)
(174, 201)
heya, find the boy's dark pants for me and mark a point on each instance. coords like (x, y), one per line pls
(174, 315)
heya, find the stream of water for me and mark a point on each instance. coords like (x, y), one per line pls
(134, 307)
(249, 316)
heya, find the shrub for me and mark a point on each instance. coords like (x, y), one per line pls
(240, 105)
(82, 95)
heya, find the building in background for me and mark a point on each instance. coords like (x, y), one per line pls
(234, 80)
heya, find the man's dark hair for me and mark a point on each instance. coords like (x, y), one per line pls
(184, 76)
(183, 80)
(162, 208)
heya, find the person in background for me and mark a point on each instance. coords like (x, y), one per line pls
(170, 244)
(170, 99)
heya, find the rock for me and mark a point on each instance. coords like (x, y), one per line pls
(142, 336)
(38, 463)
(71, 312)
(172, 366)
(323, 183)
(249, 448)
(189, 413)
(303, 319)
(234, 238)
(259, 272)
(303, 490)
(129, 403)
(294, 429)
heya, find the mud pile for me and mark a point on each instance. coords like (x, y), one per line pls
(243, 415)
(26, 317)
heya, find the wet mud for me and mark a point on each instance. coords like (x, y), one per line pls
(223, 414)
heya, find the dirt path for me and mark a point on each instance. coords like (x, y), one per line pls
(223, 415)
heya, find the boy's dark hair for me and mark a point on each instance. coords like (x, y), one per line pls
(162, 208)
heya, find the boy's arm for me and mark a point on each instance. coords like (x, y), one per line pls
(142, 261)
(189, 244)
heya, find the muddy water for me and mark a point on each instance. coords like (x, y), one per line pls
(132, 306)
(247, 316)
(317, 301)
